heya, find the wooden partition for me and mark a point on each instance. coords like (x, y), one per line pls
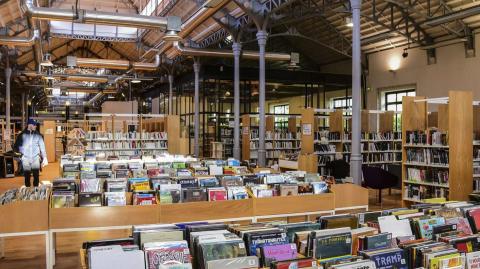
(349, 195)
(49, 131)
(307, 129)
(293, 204)
(172, 127)
(460, 131)
(24, 216)
(443, 118)
(386, 121)
(308, 163)
(270, 123)
(292, 124)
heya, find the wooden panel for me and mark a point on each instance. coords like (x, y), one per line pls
(199, 211)
(432, 119)
(443, 118)
(25, 216)
(173, 133)
(365, 121)
(81, 217)
(307, 122)
(460, 127)
(476, 121)
(349, 195)
(270, 124)
(335, 121)
(245, 137)
(293, 204)
(308, 163)
(49, 132)
(292, 124)
(414, 116)
(386, 122)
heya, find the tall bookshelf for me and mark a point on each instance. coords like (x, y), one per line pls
(278, 142)
(439, 164)
(476, 148)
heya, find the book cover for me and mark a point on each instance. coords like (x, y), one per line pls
(166, 253)
(472, 260)
(288, 190)
(295, 263)
(170, 193)
(378, 241)
(208, 182)
(187, 182)
(388, 259)
(333, 245)
(231, 181)
(235, 263)
(89, 199)
(217, 194)
(221, 250)
(425, 226)
(292, 228)
(364, 264)
(256, 240)
(282, 252)
(139, 184)
(194, 195)
(462, 225)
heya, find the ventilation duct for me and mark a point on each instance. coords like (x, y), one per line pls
(168, 24)
(94, 99)
(73, 61)
(246, 54)
(20, 41)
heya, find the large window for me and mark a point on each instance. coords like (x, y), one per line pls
(393, 102)
(342, 103)
(281, 122)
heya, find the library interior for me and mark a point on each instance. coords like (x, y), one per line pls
(239, 134)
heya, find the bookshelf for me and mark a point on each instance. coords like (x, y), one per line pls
(476, 149)
(381, 145)
(437, 148)
(279, 143)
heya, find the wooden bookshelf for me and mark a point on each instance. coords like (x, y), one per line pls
(454, 119)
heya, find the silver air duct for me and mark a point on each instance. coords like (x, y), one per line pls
(73, 61)
(98, 17)
(94, 99)
(20, 41)
(246, 54)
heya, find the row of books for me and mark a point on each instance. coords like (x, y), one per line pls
(145, 191)
(427, 156)
(431, 175)
(374, 137)
(23, 193)
(424, 236)
(271, 154)
(277, 145)
(101, 135)
(381, 157)
(423, 192)
(428, 137)
(133, 144)
(326, 136)
(277, 135)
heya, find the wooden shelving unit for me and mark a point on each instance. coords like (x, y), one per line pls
(454, 119)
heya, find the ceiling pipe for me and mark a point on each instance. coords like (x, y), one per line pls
(105, 18)
(94, 99)
(73, 61)
(246, 54)
(20, 41)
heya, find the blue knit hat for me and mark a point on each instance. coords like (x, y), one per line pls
(31, 121)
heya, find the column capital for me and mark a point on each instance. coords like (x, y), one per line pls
(237, 48)
(356, 4)
(262, 38)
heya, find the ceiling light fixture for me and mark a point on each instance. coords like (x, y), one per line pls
(405, 53)
(348, 22)
(46, 60)
(49, 75)
(136, 80)
(67, 103)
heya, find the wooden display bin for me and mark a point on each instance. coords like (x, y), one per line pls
(24, 216)
(200, 211)
(85, 217)
(349, 195)
(280, 205)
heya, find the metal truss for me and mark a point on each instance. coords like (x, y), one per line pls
(93, 37)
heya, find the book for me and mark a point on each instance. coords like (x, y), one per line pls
(257, 240)
(378, 241)
(472, 260)
(194, 195)
(187, 182)
(115, 199)
(330, 243)
(210, 251)
(158, 254)
(425, 226)
(115, 256)
(217, 194)
(391, 258)
(292, 228)
(144, 198)
(170, 193)
(208, 182)
(246, 262)
(338, 221)
(139, 184)
(89, 199)
(390, 224)
(288, 189)
(231, 181)
(462, 224)
(282, 252)
(363, 264)
(295, 263)
(237, 193)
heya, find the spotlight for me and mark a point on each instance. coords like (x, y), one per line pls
(405, 53)
(348, 22)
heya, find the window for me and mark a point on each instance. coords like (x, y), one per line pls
(342, 103)
(393, 102)
(281, 122)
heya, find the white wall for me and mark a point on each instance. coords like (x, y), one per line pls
(156, 105)
(453, 71)
(129, 107)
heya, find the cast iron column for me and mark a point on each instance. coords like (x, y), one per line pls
(236, 100)
(196, 101)
(262, 41)
(170, 94)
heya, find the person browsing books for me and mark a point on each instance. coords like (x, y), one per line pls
(32, 147)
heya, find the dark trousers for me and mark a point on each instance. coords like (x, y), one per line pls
(36, 177)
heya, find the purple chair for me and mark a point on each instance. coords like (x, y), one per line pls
(377, 178)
